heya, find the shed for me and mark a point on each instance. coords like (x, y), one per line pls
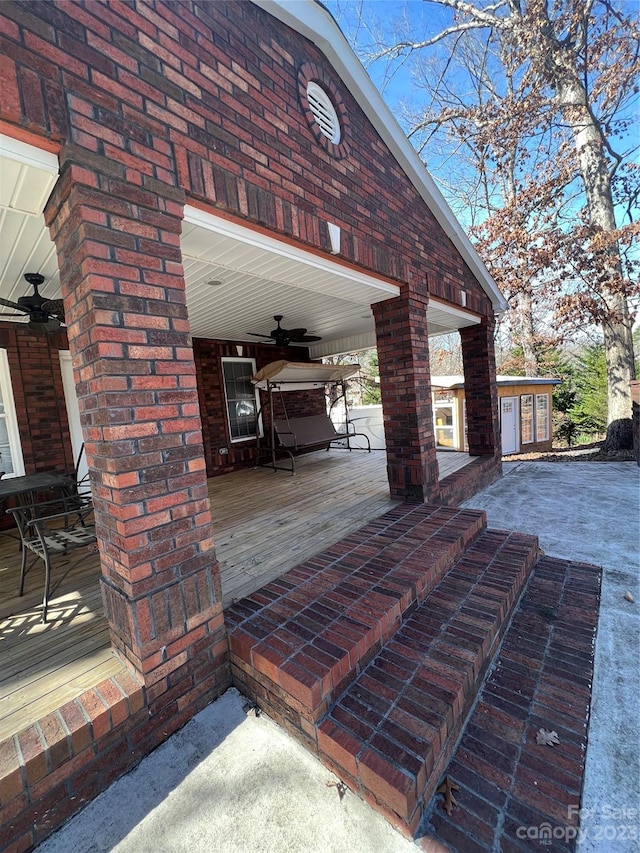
(525, 405)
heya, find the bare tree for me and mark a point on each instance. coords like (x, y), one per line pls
(536, 95)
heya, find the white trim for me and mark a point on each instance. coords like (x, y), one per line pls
(11, 417)
(315, 22)
(453, 405)
(28, 154)
(461, 313)
(532, 440)
(73, 412)
(204, 219)
(547, 413)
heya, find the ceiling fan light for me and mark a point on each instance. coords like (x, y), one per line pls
(49, 325)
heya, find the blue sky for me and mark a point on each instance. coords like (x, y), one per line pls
(385, 16)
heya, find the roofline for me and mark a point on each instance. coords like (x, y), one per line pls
(315, 22)
(501, 381)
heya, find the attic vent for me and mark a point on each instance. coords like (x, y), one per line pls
(323, 112)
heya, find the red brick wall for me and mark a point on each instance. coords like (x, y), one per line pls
(208, 357)
(36, 380)
(480, 389)
(206, 96)
(403, 355)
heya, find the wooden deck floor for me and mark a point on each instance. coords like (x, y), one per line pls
(265, 523)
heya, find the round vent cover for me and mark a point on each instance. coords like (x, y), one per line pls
(323, 112)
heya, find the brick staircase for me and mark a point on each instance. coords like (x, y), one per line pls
(372, 652)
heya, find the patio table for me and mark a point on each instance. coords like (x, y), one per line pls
(25, 488)
(32, 483)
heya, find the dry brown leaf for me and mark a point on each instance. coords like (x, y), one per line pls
(547, 738)
(447, 788)
(340, 787)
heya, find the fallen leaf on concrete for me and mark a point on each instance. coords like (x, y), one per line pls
(447, 788)
(629, 597)
(340, 787)
(547, 738)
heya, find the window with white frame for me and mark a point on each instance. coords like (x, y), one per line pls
(526, 418)
(242, 398)
(11, 461)
(542, 417)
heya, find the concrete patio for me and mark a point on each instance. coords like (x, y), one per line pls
(230, 782)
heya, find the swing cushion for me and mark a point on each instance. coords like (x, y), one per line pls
(308, 431)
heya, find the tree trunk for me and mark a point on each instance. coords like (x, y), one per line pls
(594, 168)
(619, 435)
(526, 333)
(618, 342)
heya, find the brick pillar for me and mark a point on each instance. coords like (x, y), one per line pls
(403, 356)
(480, 389)
(118, 243)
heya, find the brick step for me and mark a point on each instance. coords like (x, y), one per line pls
(298, 642)
(392, 732)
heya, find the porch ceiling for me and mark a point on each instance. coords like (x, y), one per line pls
(260, 276)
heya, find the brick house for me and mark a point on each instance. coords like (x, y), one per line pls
(179, 173)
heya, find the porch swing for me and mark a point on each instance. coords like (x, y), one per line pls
(287, 435)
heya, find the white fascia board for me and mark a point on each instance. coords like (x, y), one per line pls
(28, 155)
(257, 239)
(315, 23)
(468, 317)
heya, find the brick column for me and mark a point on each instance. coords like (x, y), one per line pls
(405, 384)
(118, 241)
(480, 389)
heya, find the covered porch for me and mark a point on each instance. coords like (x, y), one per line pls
(265, 523)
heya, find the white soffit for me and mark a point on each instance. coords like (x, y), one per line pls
(27, 176)
(314, 22)
(442, 319)
(258, 276)
(243, 249)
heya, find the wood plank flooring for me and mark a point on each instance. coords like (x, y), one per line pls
(265, 522)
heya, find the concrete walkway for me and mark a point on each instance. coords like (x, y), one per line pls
(230, 782)
(590, 511)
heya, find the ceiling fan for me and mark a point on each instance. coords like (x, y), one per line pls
(45, 315)
(283, 337)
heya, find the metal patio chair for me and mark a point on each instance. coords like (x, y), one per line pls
(52, 528)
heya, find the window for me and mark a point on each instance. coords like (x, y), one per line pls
(526, 418)
(542, 417)
(444, 414)
(11, 462)
(242, 398)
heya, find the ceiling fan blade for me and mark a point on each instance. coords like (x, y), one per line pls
(15, 305)
(305, 339)
(295, 333)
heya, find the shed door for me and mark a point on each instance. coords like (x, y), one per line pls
(509, 424)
